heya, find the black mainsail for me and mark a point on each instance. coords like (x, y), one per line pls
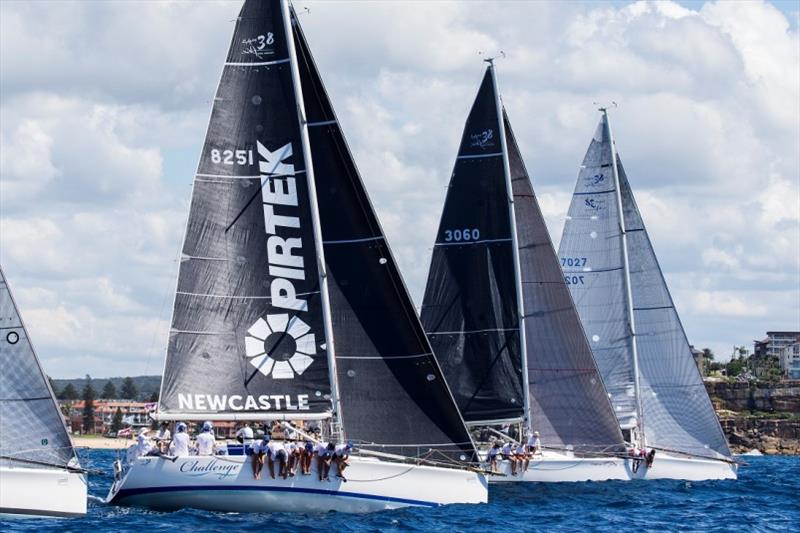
(626, 308)
(32, 431)
(470, 308)
(535, 367)
(297, 216)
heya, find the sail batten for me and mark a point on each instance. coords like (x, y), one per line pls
(670, 402)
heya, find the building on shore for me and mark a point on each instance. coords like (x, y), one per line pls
(134, 415)
(790, 360)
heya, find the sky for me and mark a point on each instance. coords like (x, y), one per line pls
(104, 107)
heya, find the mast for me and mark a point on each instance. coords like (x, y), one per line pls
(312, 197)
(628, 294)
(515, 250)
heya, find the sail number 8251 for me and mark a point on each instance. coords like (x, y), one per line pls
(232, 157)
(458, 235)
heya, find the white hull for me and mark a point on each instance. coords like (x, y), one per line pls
(554, 467)
(42, 492)
(668, 466)
(225, 483)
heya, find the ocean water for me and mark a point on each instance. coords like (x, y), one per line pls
(765, 498)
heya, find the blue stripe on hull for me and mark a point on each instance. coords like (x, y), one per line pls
(125, 493)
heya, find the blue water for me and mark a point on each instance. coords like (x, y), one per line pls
(765, 498)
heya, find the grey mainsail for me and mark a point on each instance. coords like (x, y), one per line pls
(32, 431)
(669, 402)
(569, 404)
(470, 309)
(289, 302)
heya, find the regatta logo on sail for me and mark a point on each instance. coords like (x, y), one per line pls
(483, 139)
(257, 46)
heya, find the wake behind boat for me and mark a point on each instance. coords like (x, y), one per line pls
(636, 335)
(501, 320)
(39, 472)
(289, 306)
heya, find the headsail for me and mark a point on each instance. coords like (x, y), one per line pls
(676, 412)
(393, 394)
(569, 404)
(247, 337)
(32, 432)
(470, 309)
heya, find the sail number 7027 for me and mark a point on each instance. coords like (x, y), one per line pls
(232, 157)
(573, 280)
(458, 235)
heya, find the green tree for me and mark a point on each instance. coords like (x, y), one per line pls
(88, 397)
(153, 397)
(53, 386)
(69, 392)
(116, 422)
(109, 390)
(129, 391)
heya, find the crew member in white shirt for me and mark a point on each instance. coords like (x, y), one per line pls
(324, 457)
(508, 454)
(206, 443)
(491, 456)
(163, 437)
(534, 444)
(341, 454)
(260, 449)
(245, 435)
(277, 454)
(179, 447)
(141, 448)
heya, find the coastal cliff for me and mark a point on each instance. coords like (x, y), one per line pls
(759, 415)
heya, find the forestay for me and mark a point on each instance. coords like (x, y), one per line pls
(569, 404)
(676, 410)
(247, 337)
(32, 431)
(470, 309)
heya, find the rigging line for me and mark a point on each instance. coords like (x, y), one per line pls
(257, 64)
(479, 156)
(464, 243)
(233, 296)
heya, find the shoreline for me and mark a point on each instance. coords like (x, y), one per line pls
(100, 443)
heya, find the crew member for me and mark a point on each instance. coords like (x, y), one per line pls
(521, 457)
(206, 443)
(260, 449)
(534, 444)
(308, 454)
(277, 454)
(341, 453)
(508, 454)
(492, 456)
(245, 435)
(293, 453)
(179, 447)
(324, 458)
(163, 437)
(141, 448)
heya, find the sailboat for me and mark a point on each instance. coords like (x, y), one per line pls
(500, 317)
(39, 471)
(290, 307)
(636, 335)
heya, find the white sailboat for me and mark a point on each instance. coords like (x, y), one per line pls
(636, 335)
(289, 306)
(500, 317)
(39, 472)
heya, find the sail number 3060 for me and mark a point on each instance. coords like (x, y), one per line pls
(232, 157)
(458, 235)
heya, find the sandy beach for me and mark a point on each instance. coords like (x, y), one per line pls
(101, 443)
